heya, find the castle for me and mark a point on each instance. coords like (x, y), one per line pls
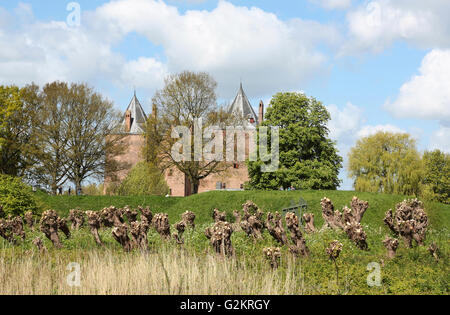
(232, 179)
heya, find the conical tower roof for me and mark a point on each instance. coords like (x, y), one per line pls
(138, 117)
(241, 106)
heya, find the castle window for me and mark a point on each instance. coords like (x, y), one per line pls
(235, 165)
(170, 173)
(242, 186)
(224, 186)
(252, 120)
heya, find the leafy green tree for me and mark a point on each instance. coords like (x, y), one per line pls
(386, 162)
(308, 158)
(436, 177)
(16, 197)
(18, 134)
(143, 179)
(9, 103)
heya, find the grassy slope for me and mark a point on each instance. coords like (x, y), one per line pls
(413, 271)
(203, 204)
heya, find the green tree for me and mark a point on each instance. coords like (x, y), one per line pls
(436, 177)
(9, 103)
(144, 179)
(308, 158)
(18, 120)
(386, 162)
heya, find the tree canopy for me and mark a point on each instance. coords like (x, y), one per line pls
(143, 179)
(437, 176)
(386, 162)
(308, 158)
(58, 133)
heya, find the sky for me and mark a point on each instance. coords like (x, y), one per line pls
(381, 65)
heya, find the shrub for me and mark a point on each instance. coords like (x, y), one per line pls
(16, 197)
(143, 179)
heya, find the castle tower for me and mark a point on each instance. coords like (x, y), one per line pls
(135, 118)
(241, 106)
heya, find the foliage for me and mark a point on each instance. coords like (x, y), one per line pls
(17, 129)
(386, 162)
(93, 189)
(144, 179)
(9, 103)
(437, 176)
(58, 133)
(308, 158)
(16, 197)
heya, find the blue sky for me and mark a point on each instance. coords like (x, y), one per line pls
(377, 65)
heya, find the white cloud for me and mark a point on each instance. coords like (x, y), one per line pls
(426, 95)
(377, 24)
(230, 42)
(371, 130)
(344, 123)
(144, 72)
(441, 140)
(333, 4)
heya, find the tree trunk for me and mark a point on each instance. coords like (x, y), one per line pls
(77, 187)
(195, 184)
(54, 189)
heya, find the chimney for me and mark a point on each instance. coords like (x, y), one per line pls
(155, 111)
(261, 113)
(127, 121)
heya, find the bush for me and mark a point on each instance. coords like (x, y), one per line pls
(143, 179)
(93, 190)
(16, 197)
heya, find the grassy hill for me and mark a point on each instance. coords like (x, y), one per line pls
(203, 204)
(193, 268)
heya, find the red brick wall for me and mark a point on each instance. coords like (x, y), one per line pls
(232, 178)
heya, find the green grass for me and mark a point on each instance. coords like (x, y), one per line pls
(203, 204)
(413, 271)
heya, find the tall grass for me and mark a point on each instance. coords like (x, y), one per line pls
(193, 268)
(170, 271)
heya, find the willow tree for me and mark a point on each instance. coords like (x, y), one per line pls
(437, 176)
(386, 162)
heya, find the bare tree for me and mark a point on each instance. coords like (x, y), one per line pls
(52, 135)
(93, 134)
(186, 97)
